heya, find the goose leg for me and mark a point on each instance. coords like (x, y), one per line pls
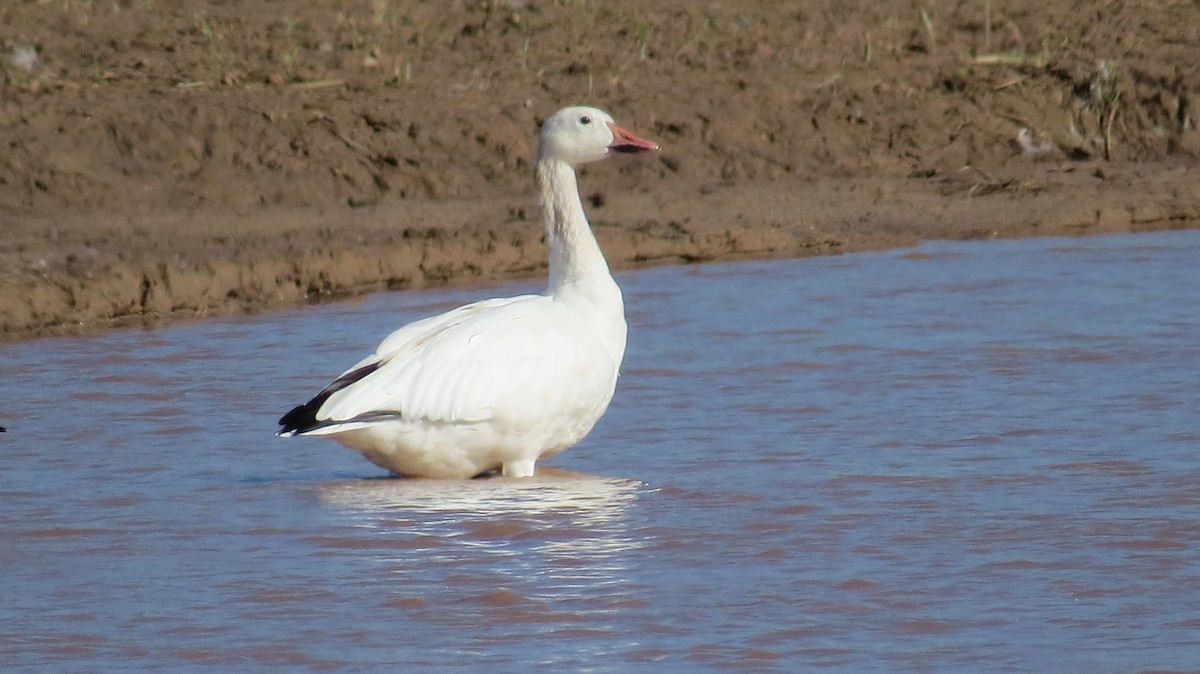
(519, 468)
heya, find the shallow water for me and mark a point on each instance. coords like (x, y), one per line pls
(961, 457)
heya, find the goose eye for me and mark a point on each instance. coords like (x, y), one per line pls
(585, 120)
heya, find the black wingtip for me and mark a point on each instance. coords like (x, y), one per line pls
(304, 417)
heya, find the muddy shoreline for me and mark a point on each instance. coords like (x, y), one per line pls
(166, 162)
(91, 277)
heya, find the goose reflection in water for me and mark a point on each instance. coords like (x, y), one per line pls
(592, 499)
(556, 536)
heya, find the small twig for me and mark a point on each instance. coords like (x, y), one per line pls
(1009, 83)
(976, 169)
(930, 33)
(827, 82)
(1004, 59)
(987, 24)
(319, 84)
(1108, 123)
(352, 144)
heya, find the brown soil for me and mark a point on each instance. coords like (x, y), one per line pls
(170, 159)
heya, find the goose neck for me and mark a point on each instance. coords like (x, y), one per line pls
(575, 257)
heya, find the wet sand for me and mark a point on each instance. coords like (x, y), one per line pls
(172, 162)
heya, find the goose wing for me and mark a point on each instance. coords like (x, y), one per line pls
(514, 359)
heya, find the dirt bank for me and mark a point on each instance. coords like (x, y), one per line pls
(182, 159)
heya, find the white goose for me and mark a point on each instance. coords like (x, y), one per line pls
(501, 383)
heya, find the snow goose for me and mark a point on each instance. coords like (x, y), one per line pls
(501, 383)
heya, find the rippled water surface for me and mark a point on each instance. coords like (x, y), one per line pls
(961, 457)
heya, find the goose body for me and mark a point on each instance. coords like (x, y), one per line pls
(501, 383)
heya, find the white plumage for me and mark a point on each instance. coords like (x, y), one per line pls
(501, 383)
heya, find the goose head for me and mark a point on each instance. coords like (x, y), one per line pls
(580, 134)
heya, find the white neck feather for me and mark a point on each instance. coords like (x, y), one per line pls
(574, 254)
(579, 274)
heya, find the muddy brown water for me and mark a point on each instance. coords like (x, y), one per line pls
(959, 457)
